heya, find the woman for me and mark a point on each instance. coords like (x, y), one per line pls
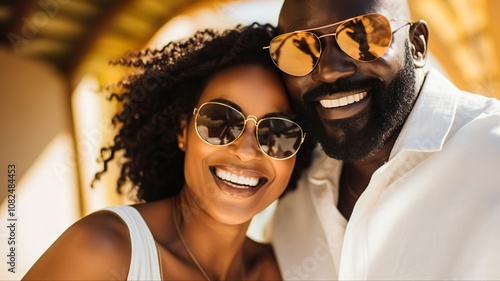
(210, 144)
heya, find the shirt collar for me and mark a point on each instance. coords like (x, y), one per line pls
(430, 121)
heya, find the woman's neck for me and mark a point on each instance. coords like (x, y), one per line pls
(215, 246)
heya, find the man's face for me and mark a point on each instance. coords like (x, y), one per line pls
(352, 108)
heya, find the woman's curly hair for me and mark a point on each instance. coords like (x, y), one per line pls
(165, 88)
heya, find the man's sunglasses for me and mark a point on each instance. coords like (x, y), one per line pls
(363, 38)
(220, 124)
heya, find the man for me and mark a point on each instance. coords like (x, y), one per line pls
(411, 187)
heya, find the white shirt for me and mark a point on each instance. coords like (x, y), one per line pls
(144, 259)
(431, 212)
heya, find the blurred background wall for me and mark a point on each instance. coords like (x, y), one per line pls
(54, 57)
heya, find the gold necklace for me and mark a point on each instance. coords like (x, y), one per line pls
(186, 246)
(159, 261)
(352, 192)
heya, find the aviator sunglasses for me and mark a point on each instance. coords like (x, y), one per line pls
(219, 124)
(363, 38)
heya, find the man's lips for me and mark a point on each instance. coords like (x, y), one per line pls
(342, 105)
(343, 101)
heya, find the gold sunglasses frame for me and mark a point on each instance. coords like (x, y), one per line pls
(407, 22)
(256, 121)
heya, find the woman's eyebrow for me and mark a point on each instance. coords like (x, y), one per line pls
(281, 114)
(270, 114)
(227, 102)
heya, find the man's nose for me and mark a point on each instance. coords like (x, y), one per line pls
(333, 63)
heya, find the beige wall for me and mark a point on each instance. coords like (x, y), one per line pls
(35, 135)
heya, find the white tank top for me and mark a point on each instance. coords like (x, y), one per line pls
(144, 261)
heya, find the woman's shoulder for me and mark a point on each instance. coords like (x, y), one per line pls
(102, 231)
(261, 261)
(95, 247)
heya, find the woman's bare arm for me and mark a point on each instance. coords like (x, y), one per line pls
(95, 248)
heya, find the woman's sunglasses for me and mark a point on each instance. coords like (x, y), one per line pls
(220, 124)
(363, 38)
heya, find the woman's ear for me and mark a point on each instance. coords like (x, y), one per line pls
(181, 138)
(419, 36)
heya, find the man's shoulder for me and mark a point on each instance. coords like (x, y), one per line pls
(436, 81)
(464, 110)
(477, 114)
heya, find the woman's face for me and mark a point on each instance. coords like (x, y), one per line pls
(218, 179)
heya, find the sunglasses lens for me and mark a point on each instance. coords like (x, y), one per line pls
(279, 138)
(218, 124)
(295, 53)
(366, 37)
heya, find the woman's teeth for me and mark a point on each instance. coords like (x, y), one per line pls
(237, 180)
(328, 103)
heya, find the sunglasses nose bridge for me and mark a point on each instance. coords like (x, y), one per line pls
(326, 35)
(256, 125)
(253, 118)
(333, 62)
(246, 146)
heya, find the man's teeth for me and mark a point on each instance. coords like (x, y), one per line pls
(235, 179)
(343, 100)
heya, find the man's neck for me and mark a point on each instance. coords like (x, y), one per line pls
(356, 176)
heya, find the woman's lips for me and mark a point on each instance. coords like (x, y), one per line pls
(237, 183)
(237, 180)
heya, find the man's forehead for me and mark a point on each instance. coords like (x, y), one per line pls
(301, 14)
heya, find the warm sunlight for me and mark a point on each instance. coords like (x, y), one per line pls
(46, 199)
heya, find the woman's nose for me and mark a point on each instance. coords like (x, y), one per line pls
(246, 147)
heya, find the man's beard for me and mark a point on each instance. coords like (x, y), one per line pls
(361, 136)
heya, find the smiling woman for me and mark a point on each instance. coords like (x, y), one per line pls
(76, 39)
(209, 147)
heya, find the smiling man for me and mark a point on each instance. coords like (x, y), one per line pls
(408, 185)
